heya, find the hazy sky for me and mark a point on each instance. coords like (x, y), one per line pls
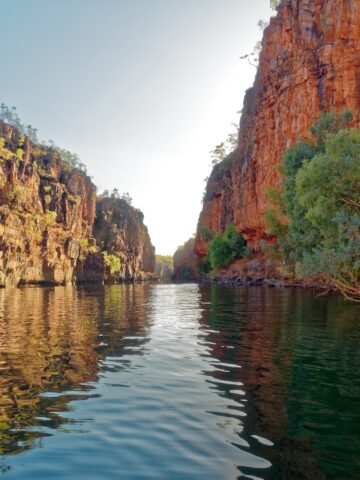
(142, 90)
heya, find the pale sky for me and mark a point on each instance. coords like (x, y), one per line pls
(142, 90)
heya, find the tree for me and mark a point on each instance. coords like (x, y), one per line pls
(222, 150)
(225, 248)
(320, 198)
(274, 4)
(127, 198)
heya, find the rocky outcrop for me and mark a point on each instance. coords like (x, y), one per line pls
(46, 212)
(119, 231)
(47, 222)
(310, 62)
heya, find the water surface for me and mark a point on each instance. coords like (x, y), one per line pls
(178, 382)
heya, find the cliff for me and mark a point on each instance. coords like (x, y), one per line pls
(48, 230)
(310, 62)
(46, 212)
(184, 261)
(119, 231)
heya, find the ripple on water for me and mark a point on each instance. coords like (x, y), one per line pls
(178, 381)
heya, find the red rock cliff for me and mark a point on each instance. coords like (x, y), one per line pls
(310, 62)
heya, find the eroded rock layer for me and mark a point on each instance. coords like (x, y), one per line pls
(310, 62)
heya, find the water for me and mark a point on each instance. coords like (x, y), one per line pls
(178, 382)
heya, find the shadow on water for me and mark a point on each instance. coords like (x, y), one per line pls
(299, 365)
(54, 344)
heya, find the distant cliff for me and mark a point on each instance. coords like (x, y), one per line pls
(119, 231)
(310, 62)
(47, 215)
(184, 261)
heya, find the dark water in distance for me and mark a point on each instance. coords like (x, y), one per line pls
(178, 382)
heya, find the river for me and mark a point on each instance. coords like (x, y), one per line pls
(178, 382)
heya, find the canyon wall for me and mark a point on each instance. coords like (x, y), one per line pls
(310, 62)
(46, 213)
(47, 221)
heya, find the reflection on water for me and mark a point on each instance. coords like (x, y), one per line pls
(180, 382)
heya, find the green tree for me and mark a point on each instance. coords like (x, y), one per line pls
(225, 248)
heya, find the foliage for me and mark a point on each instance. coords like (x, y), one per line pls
(320, 197)
(4, 152)
(203, 266)
(274, 4)
(112, 261)
(49, 218)
(205, 233)
(72, 159)
(87, 247)
(222, 150)
(226, 247)
(116, 194)
(254, 56)
(10, 116)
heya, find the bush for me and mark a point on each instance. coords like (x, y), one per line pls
(226, 248)
(112, 261)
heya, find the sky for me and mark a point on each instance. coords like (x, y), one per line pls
(142, 90)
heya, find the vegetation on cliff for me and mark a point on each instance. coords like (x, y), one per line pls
(223, 250)
(316, 212)
(10, 116)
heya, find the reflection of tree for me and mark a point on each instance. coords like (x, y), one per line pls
(297, 357)
(52, 339)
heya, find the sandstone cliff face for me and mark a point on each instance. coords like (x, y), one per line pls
(119, 230)
(310, 62)
(46, 213)
(47, 221)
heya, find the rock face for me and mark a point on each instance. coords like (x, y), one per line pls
(184, 261)
(46, 213)
(119, 230)
(310, 62)
(47, 221)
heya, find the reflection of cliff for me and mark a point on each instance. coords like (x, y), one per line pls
(296, 355)
(52, 339)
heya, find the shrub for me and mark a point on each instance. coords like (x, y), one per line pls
(203, 266)
(112, 261)
(226, 248)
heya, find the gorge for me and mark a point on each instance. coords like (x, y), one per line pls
(309, 63)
